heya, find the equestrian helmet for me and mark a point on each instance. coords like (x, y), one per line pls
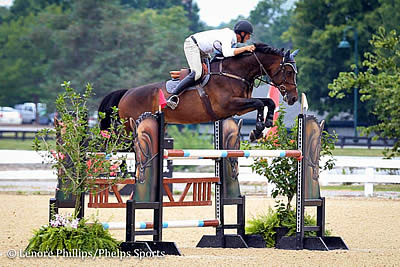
(243, 26)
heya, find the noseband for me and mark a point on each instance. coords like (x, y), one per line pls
(281, 86)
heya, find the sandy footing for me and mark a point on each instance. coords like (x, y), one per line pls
(370, 228)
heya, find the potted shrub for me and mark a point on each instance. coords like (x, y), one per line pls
(282, 172)
(76, 158)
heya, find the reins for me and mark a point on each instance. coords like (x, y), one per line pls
(230, 75)
(263, 72)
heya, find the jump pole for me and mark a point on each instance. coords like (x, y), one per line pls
(215, 154)
(168, 224)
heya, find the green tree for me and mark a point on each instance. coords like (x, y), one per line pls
(191, 9)
(4, 14)
(379, 85)
(115, 48)
(163, 36)
(317, 29)
(271, 19)
(26, 47)
(22, 8)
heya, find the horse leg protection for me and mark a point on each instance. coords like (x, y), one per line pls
(269, 120)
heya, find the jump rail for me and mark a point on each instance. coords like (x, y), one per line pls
(213, 154)
(169, 224)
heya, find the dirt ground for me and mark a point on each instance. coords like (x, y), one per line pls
(370, 228)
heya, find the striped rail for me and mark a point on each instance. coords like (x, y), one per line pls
(170, 224)
(213, 154)
(203, 153)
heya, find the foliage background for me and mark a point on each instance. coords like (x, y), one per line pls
(125, 43)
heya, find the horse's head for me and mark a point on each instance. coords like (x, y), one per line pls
(285, 78)
(282, 73)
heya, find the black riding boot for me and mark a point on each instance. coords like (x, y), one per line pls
(173, 100)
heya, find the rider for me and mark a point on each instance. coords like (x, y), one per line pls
(204, 43)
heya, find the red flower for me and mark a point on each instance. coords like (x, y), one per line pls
(114, 167)
(105, 134)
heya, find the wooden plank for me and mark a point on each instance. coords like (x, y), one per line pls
(187, 203)
(116, 193)
(112, 181)
(169, 193)
(208, 191)
(185, 191)
(165, 204)
(204, 190)
(190, 180)
(199, 194)
(194, 191)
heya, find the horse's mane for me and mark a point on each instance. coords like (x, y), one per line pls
(264, 48)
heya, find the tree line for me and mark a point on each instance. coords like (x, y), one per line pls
(126, 43)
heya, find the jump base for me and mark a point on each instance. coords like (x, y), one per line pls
(325, 243)
(231, 241)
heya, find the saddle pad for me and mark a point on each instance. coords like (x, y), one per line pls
(171, 84)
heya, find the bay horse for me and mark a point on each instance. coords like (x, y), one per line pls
(227, 93)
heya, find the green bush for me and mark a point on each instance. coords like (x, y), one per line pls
(73, 235)
(265, 224)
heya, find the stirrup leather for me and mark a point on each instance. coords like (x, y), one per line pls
(173, 101)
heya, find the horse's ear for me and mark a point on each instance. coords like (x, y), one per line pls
(295, 52)
(287, 55)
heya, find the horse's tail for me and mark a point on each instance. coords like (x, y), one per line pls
(109, 101)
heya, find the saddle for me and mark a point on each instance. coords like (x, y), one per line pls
(180, 74)
(177, 76)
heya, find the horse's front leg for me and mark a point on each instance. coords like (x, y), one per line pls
(245, 105)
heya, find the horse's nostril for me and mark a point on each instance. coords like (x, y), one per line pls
(294, 99)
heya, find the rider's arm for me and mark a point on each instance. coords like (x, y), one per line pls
(240, 50)
(227, 50)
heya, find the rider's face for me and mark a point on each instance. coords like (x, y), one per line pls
(246, 37)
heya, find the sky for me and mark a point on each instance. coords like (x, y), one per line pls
(5, 2)
(212, 12)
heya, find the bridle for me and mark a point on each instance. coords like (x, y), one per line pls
(263, 72)
(282, 68)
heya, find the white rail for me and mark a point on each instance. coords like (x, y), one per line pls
(364, 170)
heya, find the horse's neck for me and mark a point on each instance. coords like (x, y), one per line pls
(248, 67)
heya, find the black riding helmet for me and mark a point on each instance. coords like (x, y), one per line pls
(243, 26)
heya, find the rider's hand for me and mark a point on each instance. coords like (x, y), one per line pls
(250, 48)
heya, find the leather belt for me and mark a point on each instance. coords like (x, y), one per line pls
(194, 40)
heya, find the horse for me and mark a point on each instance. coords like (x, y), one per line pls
(227, 92)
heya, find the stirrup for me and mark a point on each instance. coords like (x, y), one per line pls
(173, 101)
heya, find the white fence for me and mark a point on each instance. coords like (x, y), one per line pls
(363, 170)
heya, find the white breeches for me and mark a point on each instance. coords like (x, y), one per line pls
(192, 53)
